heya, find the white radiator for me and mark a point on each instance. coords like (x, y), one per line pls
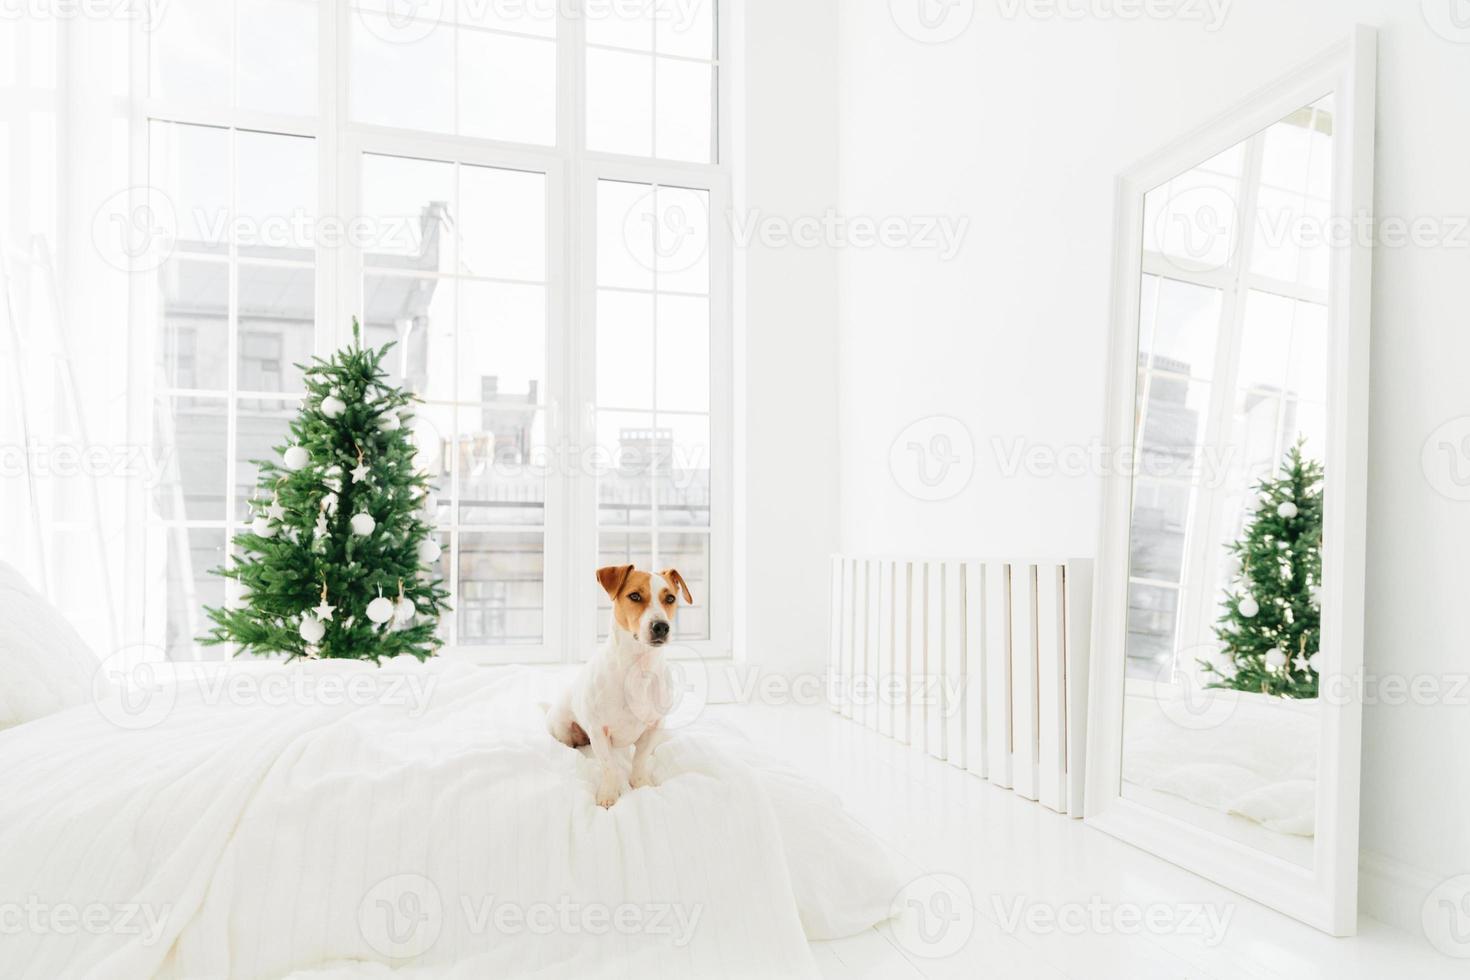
(982, 663)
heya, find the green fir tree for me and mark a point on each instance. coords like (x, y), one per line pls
(338, 561)
(1271, 621)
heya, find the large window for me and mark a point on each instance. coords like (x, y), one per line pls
(519, 198)
(1231, 368)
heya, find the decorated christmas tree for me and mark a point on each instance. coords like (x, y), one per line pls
(1271, 623)
(339, 556)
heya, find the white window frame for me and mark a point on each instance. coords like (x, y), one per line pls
(570, 623)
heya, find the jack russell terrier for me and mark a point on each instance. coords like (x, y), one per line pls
(621, 695)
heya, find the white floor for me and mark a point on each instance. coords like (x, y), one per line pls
(1034, 883)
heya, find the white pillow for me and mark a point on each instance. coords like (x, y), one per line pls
(44, 665)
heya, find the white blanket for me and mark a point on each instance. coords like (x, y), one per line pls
(424, 826)
(1258, 761)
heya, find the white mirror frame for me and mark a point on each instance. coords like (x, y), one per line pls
(1324, 895)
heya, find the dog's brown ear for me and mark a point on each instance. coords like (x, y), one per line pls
(672, 576)
(612, 578)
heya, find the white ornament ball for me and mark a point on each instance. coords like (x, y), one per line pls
(429, 551)
(295, 458)
(1248, 607)
(1287, 509)
(1314, 662)
(380, 610)
(312, 629)
(262, 527)
(404, 611)
(388, 422)
(363, 524)
(1275, 659)
(1317, 595)
(333, 407)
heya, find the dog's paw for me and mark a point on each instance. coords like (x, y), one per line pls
(607, 794)
(640, 779)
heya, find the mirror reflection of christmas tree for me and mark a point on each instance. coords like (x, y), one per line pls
(1271, 623)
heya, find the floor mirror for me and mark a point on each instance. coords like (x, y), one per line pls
(1224, 724)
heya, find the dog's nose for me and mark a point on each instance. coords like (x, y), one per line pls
(660, 630)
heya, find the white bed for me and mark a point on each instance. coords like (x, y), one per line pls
(420, 824)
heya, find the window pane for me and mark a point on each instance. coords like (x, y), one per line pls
(628, 447)
(686, 28)
(1156, 536)
(501, 588)
(189, 556)
(431, 430)
(1151, 615)
(501, 465)
(625, 234)
(190, 168)
(194, 344)
(681, 239)
(1265, 341)
(406, 207)
(624, 349)
(189, 441)
(277, 46)
(1308, 374)
(620, 102)
(263, 430)
(1180, 325)
(689, 554)
(277, 195)
(1173, 425)
(277, 326)
(507, 88)
(191, 53)
(402, 72)
(501, 353)
(685, 96)
(417, 316)
(622, 24)
(683, 353)
(502, 227)
(534, 17)
(682, 474)
(1275, 251)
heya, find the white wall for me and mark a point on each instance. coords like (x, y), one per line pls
(787, 518)
(1020, 124)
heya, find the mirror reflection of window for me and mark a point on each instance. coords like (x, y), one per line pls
(1232, 369)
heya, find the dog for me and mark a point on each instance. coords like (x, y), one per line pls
(621, 695)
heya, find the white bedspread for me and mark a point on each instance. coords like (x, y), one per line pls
(444, 835)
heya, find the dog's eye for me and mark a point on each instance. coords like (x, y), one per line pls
(635, 597)
(668, 600)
